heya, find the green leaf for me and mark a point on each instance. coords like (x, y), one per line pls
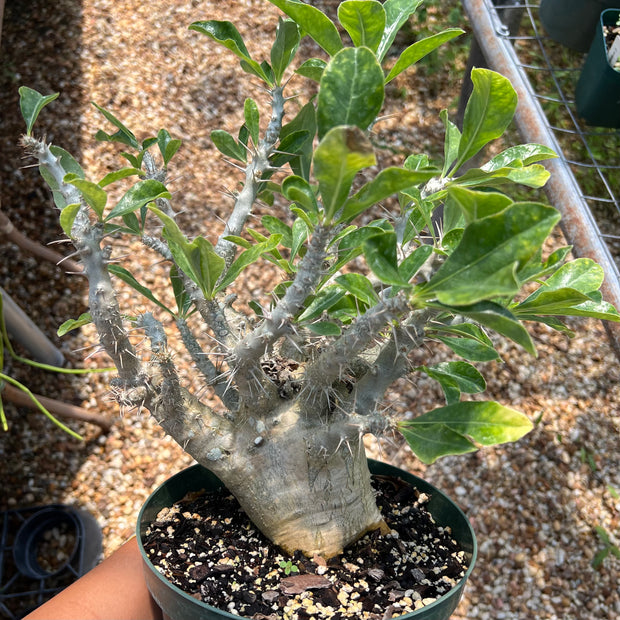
(535, 269)
(364, 20)
(436, 433)
(499, 319)
(183, 301)
(284, 47)
(31, 103)
(123, 135)
(452, 140)
(325, 328)
(301, 232)
(397, 12)
(117, 175)
(206, 264)
(412, 263)
(339, 156)
(351, 90)
(312, 22)
(252, 120)
(276, 226)
(128, 278)
(381, 256)
(485, 263)
(139, 195)
(67, 217)
(227, 145)
(322, 302)
(581, 274)
(534, 176)
(475, 204)
(226, 34)
(551, 302)
(421, 48)
(388, 181)
(489, 111)
(167, 146)
(69, 325)
(297, 189)
(92, 193)
(305, 120)
(312, 68)
(459, 374)
(359, 286)
(470, 348)
(246, 258)
(519, 156)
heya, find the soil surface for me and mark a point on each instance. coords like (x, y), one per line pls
(534, 505)
(208, 547)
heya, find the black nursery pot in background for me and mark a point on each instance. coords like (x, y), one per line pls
(573, 22)
(179, 605)
(598, 90)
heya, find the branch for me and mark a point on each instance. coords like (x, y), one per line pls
(253, 175)
(391, 363)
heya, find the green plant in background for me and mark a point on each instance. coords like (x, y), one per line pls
(5, 345)
(303, 379)
(609, 548)
(288, 567)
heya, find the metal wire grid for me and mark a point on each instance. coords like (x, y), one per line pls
(585, 179)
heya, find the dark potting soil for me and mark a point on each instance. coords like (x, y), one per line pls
(206, 545)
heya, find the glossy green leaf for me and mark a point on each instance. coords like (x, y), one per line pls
(297, 189)
(227, 145)
(322, 302)
(519, 156)
(92, 193)
(312, 68)
(460, 427)
(300, 234)
(167, 146)
(459, 374)
(359, 286)
(313, 23)
(534, 176)
(118, 175)
(485, 263)
(551, 302)
(225, 33)
(123, 135)
(397, 12)
(410, 265)
(381, 256)
(340, 155)
(351, 90)
(498, 319)
(535, 269)
(275, 226)
(470, 348)
(67, 217)
(247, 258)
(31, 103)
(69, 325)
(292, 149)
(421, 48)
(305, 120)
(489, 111)
(139, 195)
(183, 301)
(284, 47)
(124, 275)
(476, 204)
(452, 139)
(206, 264)
(364, 20)
(388, 182)
(325, 328)
(252, 120)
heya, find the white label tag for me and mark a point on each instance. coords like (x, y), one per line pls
(614, 52)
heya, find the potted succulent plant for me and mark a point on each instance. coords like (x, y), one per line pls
(369, 273)
(572, 22)
(597, 95)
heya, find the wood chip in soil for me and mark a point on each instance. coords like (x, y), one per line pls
(207, 546)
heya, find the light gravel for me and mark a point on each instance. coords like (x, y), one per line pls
(534, 505)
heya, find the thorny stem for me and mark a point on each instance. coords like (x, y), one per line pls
(253, 174)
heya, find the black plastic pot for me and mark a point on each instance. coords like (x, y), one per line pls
(179, 605)
(573, 22)
(597, 95)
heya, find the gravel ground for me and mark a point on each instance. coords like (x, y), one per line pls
(534, 505)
